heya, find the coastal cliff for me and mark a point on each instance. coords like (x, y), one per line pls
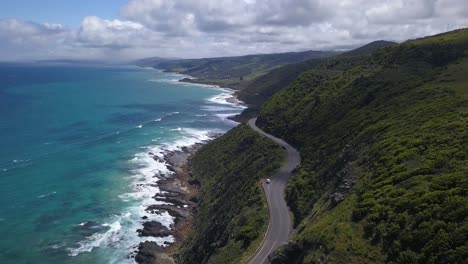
(231, 216)
(384, 144)
(383, 179)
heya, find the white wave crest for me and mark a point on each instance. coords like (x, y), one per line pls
(225, 117)
(221, 98)
(214, 108)
(46, 195)
(148, 166)
(110, 237)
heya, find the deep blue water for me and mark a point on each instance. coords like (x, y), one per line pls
(74, 162)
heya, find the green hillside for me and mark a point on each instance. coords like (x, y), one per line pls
(233, 72)
(385, 144)
(263, 87)
(232, 215)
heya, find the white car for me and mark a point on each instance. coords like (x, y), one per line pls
(267, 181)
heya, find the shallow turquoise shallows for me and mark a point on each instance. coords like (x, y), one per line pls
(72, 150)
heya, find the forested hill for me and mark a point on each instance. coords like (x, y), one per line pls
(383, 179)
(233, 72)
(256, 92)
(384, 139)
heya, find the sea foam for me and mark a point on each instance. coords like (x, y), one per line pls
(148, 166)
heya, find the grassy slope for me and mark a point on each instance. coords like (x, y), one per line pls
(394, 126)
(236, 72)
(262, 88)
(232, 215)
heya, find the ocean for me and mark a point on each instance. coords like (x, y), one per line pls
(76, 172)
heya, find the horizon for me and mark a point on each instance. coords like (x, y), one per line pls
(229, 132)
(126, 30)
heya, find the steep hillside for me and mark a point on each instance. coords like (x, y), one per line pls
(233, 72)
(384, 141)
(369, 48)
(232, 216)
(263, 87)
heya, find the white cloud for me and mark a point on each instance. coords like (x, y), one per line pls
(281, 25)
(401, 11)
(24, 40)
(216, 15)
(96, 32)
(189, 28)
(452, 8)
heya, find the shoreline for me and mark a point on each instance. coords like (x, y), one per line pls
(185, 78)
(177, 195)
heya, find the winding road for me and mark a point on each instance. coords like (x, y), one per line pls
(280, 226)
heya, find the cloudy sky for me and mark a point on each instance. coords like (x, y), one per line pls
(129, 29)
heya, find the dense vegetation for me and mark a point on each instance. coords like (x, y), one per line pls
(384, 141)
(232, 72)
(232, 216)
(262, 88)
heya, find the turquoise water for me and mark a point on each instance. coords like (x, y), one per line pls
(75, 163)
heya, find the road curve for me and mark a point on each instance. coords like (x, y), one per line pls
(280, 226)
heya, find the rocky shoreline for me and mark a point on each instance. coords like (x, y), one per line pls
(233, 99)
(178, 195)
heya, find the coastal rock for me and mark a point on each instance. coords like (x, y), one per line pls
(154, 229)
(173, 200)
(195, 182)
(168, 194)
(151, 253)
(175, 191)
(158, 159)
(170, 185)
(171, 209)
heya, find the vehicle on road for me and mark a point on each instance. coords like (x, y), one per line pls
(267, 181)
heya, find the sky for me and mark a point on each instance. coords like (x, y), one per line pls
(122, 30)
(67, 12)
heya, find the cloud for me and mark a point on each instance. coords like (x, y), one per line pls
(19, 28)
(204, 28)
(452, 8)
(96, 32)
(213, 16)
(23, 39)
(401, 12)
(96, 38)
(281, 25)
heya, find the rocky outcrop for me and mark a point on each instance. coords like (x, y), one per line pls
(345, 179)
(177, 195)
(290, 253)
(154, 229)
(151, 253)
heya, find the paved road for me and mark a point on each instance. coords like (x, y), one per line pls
(280, 226)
